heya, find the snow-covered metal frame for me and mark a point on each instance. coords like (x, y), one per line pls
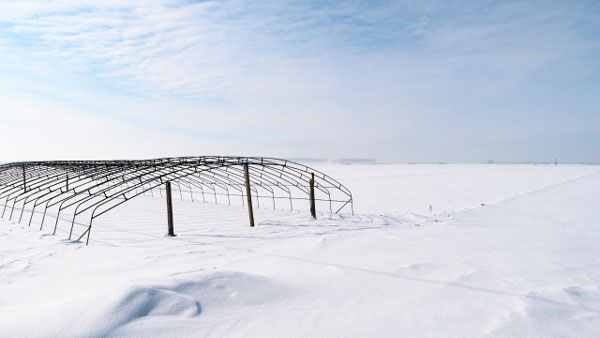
(69, 191)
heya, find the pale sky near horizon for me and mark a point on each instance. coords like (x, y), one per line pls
(406, 81)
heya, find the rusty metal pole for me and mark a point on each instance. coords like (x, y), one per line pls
(169, 209)
(248, 195)
(313, 210)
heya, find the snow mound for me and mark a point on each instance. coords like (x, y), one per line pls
(155, 309)
(142, 301)
(179, 300)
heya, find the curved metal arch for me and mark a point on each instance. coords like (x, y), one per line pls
(96, 187)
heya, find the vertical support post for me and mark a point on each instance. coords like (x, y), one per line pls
(248, 195)
(24, 179)
(67, 182)
(313, 210)
(169, 209)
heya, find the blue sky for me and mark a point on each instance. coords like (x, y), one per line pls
(406, 81)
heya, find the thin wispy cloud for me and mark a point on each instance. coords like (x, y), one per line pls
(362, 77)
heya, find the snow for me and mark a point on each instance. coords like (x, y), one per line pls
(507, 251)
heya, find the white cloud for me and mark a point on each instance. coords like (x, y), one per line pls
(351, 75)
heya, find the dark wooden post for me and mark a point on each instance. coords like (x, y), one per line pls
(248, 195)
(67, 182)
(169, 209)
(313, 210)
(24, 179)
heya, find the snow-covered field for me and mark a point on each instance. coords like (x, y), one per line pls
(504, 251)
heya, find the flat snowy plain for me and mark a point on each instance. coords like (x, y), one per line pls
(504, 251)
